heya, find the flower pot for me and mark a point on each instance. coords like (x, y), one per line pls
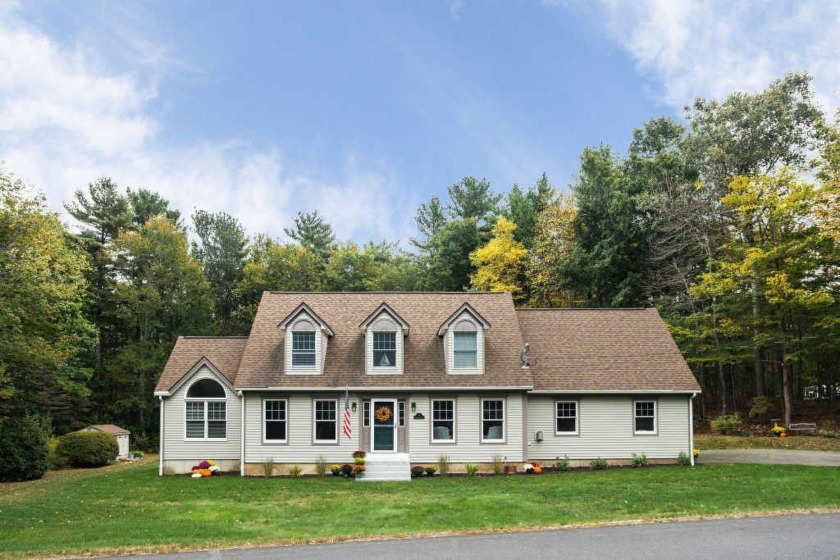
(510, 469)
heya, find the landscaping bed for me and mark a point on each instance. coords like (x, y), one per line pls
(128, 508)
(806, 443)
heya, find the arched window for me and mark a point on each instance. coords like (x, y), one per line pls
(206, 410)
(465, 345)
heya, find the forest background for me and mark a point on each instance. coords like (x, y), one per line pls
(727, 221)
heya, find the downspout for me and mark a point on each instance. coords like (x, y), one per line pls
(241, 434)
(691, 427)
(162, 420)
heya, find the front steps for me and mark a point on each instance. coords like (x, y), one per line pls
(386, 466)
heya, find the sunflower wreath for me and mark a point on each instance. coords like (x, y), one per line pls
(383, 413)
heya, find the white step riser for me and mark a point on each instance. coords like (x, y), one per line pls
(387, 467)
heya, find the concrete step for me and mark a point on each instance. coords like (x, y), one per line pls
(386, 466)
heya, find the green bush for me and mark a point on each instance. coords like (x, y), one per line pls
(725, 424)
(56, 460)
(683, 459)
(23, 449)
(88, 449)
(599, 464)
(562, 464)
(471, 469)
(638, 460)
(443, 465)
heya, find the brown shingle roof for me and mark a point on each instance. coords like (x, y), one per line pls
(110, 428)
(262, 362)
(603, 350)
(224, 352)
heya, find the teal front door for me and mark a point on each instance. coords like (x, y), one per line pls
(384, 425)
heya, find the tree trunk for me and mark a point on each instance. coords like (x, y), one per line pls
(760, 389)
(721, 375)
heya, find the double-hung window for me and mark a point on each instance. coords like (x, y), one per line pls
(567, 417)
(492, 420)
(443, 421)
(466, 350)
(206, 411)
(274, 413)
(384, 349)
(303, 349)
(644, 417)
(326, 421)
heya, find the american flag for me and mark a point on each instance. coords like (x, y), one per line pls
(347, 429)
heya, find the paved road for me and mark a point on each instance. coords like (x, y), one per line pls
(813, 537)
(772, 457)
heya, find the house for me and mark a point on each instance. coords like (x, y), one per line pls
(421, 375)
(121, 435)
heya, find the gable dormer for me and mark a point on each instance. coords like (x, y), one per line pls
(463, 341)
(384, 331)
(306, 339)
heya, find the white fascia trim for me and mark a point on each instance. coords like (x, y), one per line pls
(611, 392)
(387, 389)
(163, 394)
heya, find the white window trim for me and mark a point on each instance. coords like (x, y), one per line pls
(504, 420)
(374, 369)
(264, 421)
(298, 369)
(655, 418)
(557, 404)
(316, 441)
(480, 340)
(205, 420)
(454, 438)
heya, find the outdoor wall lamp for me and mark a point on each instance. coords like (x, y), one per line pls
(353, 407)
(413, 406)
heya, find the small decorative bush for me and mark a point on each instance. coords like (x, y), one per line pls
(56, 460)
(358, 469)
(346, 469)
(359, 453)
(88, 449)
(359, 460)
(321, 466)
(599, 464)
(268, 467)
(696, 453)
(335, 470)
(683, 459)
(498, 464)
(295, 471)
(443, 465)
(430, 470)
(24, 456)
(417, 471)
(562, 464)
(725, 424)
(208, 468)
(638, 460)
(471, 469)
(778, 430)
(137, 454)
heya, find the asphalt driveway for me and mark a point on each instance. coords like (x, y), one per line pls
(771, 457)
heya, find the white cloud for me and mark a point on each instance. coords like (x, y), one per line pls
(710, 48)
(66, 118)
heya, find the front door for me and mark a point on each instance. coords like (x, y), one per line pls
(384, 424)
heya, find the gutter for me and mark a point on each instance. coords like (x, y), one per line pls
(612, 392)
(691, 427)
(241, 434)
(437, 389)
(162, 431)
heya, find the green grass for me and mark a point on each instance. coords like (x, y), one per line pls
(809, 443)
(130, 509)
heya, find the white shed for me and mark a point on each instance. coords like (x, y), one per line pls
(121, 434)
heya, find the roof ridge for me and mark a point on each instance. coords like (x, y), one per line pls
(401, 293)
(214, 337)
(583, 308)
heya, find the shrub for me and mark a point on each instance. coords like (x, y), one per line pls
(136, 454)
(321, 465)
(562, 464)
(471, 469)
(638, 460)
(88, 449)
(23, 449)
(346, 469)
(56, 460)
(268, 467)
(416, 471)
(431, 470)
(683, 459)
(725, 423)
(443, 465)
(498, 464)
(599, 464)
(335, 470)
(294, 471)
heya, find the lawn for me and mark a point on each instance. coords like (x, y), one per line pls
(810, 443)
(128, 508)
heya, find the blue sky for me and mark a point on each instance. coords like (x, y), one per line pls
(363, 110)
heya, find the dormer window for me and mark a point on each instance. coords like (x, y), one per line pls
(307, 336)
(463, 341)
(303, 349)
(466, 350)
(384, 331)
(384, 349)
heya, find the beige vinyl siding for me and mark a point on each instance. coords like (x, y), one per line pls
(467, 446)
(175, 447)
(605, 425)
(299, 446)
